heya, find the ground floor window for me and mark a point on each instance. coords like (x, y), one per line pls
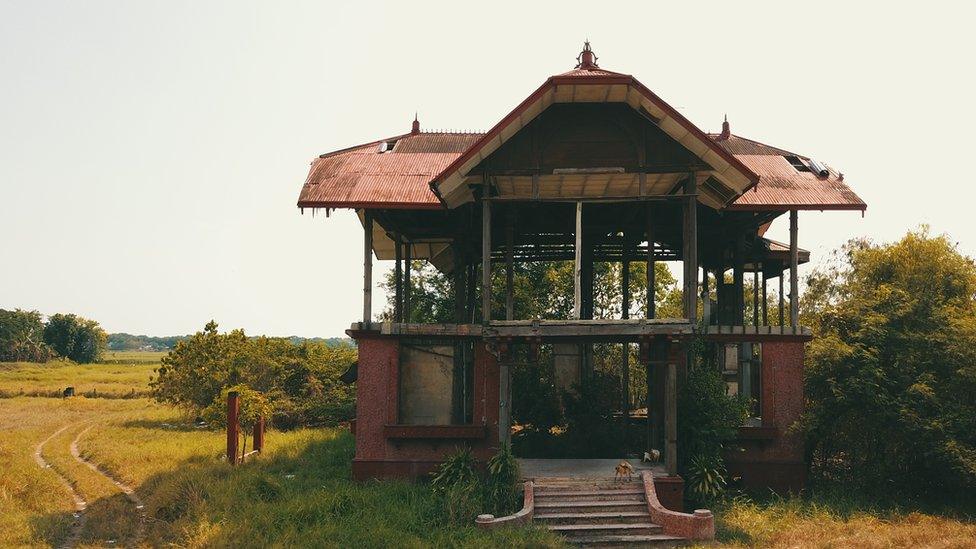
(435, 382)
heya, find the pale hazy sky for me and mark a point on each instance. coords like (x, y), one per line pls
(151, 153)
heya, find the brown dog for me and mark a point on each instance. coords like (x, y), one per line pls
(623, 468)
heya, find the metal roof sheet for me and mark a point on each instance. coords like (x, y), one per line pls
(364, 177)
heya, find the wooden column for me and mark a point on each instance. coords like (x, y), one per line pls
(671, 419)
(755, 292)
(738, 283)
(398, 279)
(706, 299)
(650, 263)
(458, 382)
(407, 261)
(578, 267)
(485, 259)
(367, 267)
(765, 302)
(782, 318)
(794, 276)
(472, 292)
(691, 248)
(625, 348)
(510, 264)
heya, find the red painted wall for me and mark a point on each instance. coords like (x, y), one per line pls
(772, 457)
(377, 392)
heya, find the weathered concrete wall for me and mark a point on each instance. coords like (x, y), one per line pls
(566, 365)
(426, 380)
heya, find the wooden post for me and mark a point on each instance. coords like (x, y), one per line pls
(259, 435)
(398, 280)
(578, 267)
(765, 302)
(367, 267)
(471, 292)
(671, 420)
(691, 248)
(794, 277)
(706, 299)
(782, 320)
(510, 264)
(485, 259)
(458, 385)
(650, 306)
(233, 408)
(625, 348)
(408, 260)
(755, 293)
(738, 283)
(459, 289)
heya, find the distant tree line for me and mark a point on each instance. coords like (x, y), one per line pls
(129, 342)
(24, 336)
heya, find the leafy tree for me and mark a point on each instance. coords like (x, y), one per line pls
(22, 337)
(75, 338)
(300, 381)
(542, 289)
(891, 376)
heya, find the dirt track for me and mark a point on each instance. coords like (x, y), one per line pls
(80, 503)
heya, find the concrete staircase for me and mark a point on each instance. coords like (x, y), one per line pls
(599, 512)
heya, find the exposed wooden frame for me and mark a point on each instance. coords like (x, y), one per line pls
(782, 313)
(671, 420)
(690, 248)
(578, 266)
(398, 280)
(510, 265)
(625, 351)
(407, 267)
(486, 260)
(649, 233)
(367, 266)
(794, 275)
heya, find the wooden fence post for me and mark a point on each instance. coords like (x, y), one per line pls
(259, 435)
(233, 407)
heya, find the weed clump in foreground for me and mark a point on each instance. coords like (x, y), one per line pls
(466, 494)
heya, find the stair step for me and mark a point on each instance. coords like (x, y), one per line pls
(545, 492)
(593, 517)
(601, 495)
(652, 540)
(590, 503)
(576, 531)
(608, 514)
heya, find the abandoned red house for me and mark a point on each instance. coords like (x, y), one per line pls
(591, 168)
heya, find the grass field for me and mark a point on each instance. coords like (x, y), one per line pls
(298, 493)
(120, 375)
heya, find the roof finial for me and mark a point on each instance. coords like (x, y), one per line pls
(415, 129)
(586, 59)
(726, 131)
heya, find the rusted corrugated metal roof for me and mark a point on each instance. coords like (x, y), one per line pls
(781, 185)
(363, 176)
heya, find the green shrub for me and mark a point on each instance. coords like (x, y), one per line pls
(891, 377)
(502, 493)
(708, 419)
(300, 380)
